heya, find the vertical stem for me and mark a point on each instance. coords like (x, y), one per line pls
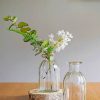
(50, 75)
(40, 72)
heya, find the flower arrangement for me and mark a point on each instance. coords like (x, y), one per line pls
(46, 48)
(48, 74)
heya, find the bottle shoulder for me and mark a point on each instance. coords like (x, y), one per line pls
(74, 76)
(74, 73)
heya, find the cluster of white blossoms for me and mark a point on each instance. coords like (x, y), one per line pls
(61, 41)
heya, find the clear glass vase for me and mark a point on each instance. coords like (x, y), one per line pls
(49, 76)
(74, 83)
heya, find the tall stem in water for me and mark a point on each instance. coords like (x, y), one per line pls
(50, 75)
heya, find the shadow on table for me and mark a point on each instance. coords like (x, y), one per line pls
(24, 97)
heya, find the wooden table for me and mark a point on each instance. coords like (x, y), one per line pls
(19, 91)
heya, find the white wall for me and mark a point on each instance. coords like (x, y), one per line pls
(80, 17)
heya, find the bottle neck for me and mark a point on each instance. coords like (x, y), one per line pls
(51, 60)
(74, 66)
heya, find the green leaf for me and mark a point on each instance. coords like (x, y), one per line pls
(34, 39)
(7, 18)
(39, 42)
(50, 49)
(34, 36)
(10, 18)
(45, 43)
(14, 18)
(33, 32)
(17, 31)
(27, 38)
(25, 29)
(33, 42)
(22, 24)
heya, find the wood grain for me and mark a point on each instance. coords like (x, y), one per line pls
(19, 91)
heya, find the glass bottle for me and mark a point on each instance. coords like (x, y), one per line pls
(49, 76)
(74, 83)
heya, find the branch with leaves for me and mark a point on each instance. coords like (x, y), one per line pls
(30, 35)
(46, 48)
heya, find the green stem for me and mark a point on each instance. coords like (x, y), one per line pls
(11, 26)
(50, 75)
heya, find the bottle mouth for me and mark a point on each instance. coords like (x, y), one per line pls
(75, 62)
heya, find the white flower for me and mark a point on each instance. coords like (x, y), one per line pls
(69, 35)
(63, 39)
(60, 33)
(51, 38)
(58, 49)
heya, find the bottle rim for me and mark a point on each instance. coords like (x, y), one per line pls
(75, 62)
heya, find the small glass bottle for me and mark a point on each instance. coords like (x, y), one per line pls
(49, 76)
(74, 83)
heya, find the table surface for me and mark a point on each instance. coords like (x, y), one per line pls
(19, 91)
